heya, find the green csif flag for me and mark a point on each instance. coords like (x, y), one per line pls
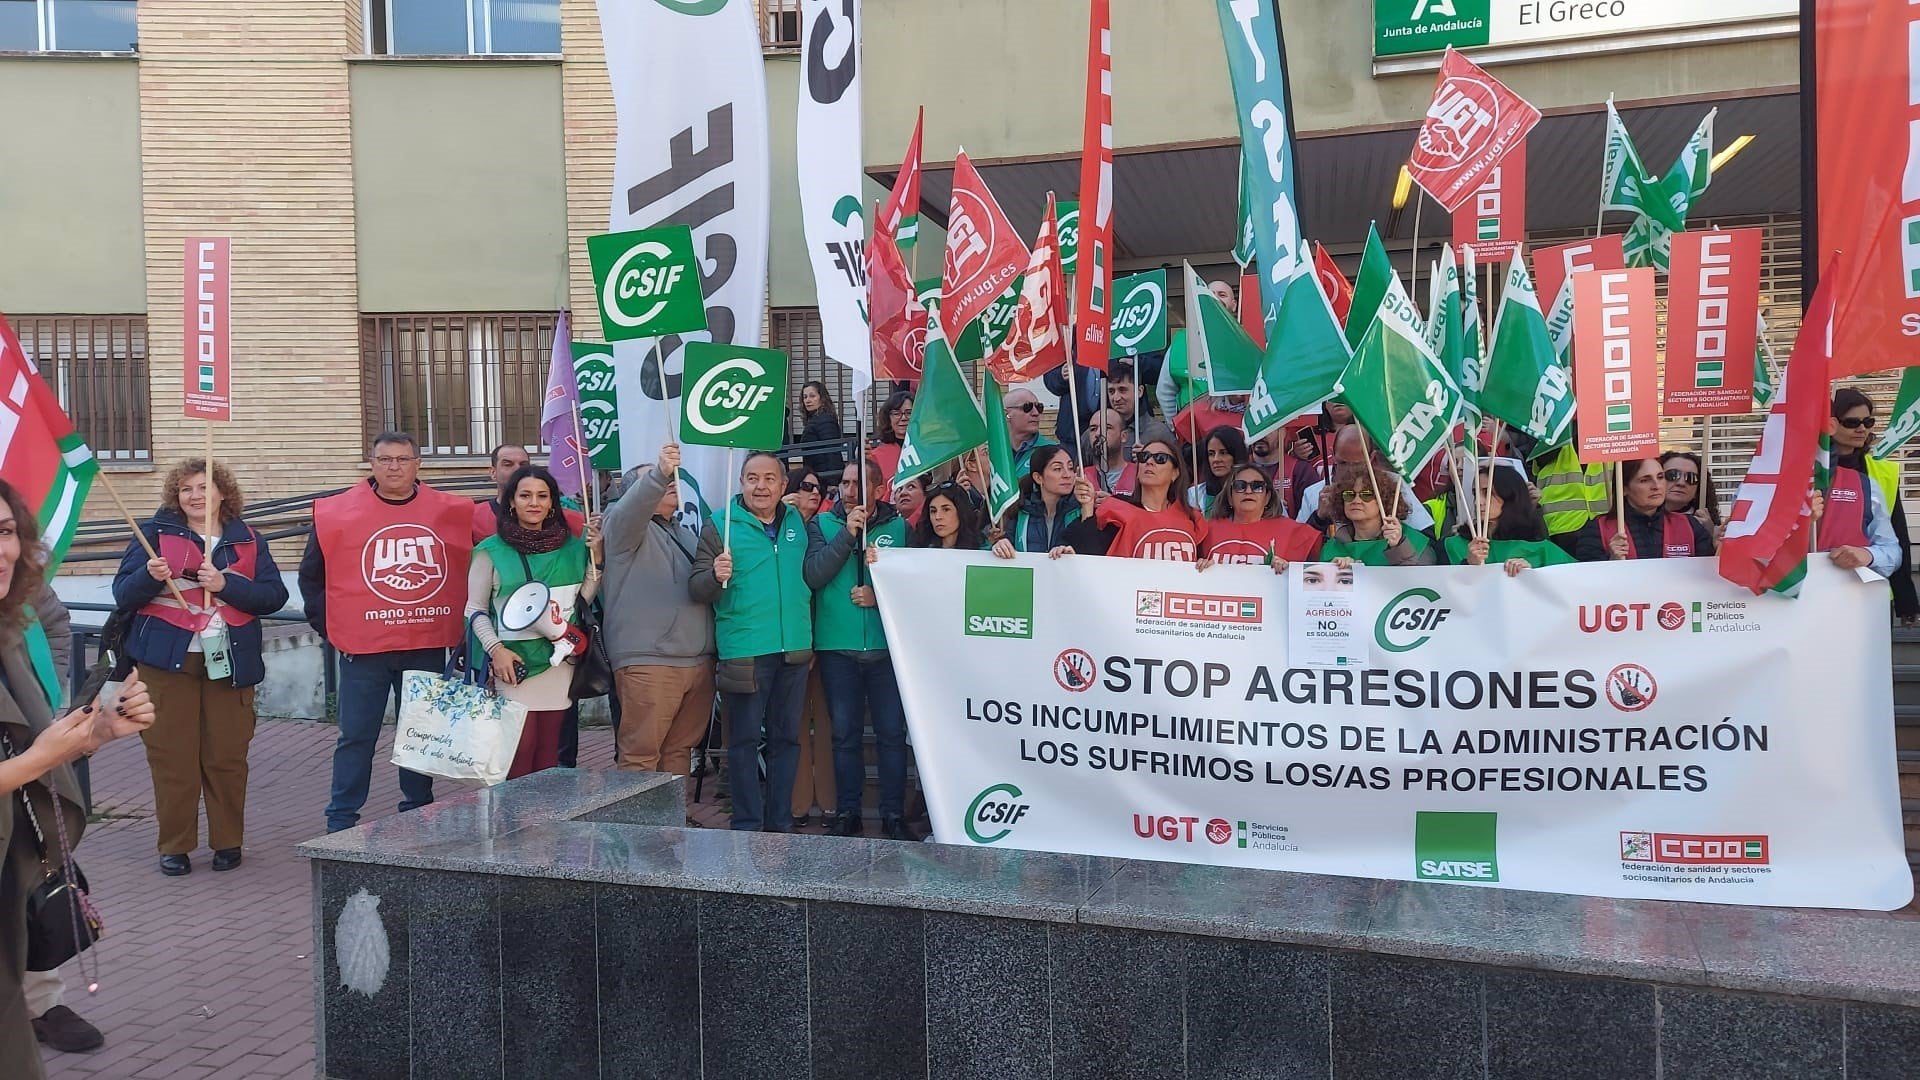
(1905, 421)
(1369, 286)
(1003, 487)
(1446, 327)
(1527, 383)
(1659, 205)
(1305, 350)
(1218, 347)
(1399, 390)
(946, 419)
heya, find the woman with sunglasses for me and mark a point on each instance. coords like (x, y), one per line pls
(1362, 532)
(1153, 522)
(1690, 489)
(1248, 525)
(1225, 447)
(951, 521)
(1862, 501)
(1055, 508)
(1652, 531)
(1516, 530)
(804, 491)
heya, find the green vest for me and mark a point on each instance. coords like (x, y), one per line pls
(1537, 553)
(565, 566)
(1571, 494)
(40, 651)
(1024, 458)
(766, 607)
(1369, 552)
(838, 625)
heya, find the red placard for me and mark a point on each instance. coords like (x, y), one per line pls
(1614, 367)
(205, 380)
(1093, 272)
(1252, 319)
(1473, 122)
(1493, 223)
(1552, 266)
(1868, 124)
(1713, 311)
(984, 254)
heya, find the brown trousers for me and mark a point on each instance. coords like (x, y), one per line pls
(197, 747)
(664, 712)
(813, 780)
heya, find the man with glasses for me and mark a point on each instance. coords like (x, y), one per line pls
(384, 581)
(501, 465)
(1023, 426)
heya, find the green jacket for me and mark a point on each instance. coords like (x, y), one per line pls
(767, 607)
(564, 566)
(838, 625)
(1414, 550)
(1536, 553)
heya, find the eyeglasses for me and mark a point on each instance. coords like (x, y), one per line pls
(1855, 423)
(394, 460)
(1156, 457)
(1029, 407)
(1675, 476)
(1242, 487)
(810, 486)
(1362, 495)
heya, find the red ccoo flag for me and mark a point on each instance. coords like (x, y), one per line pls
(1094, 278)
(894, 311)
(1338, 289)
(984, 254)
(899, 219)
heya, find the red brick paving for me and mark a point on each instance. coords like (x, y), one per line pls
(209, 975)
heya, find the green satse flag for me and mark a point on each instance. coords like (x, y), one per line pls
(1901, 426)
(1369, 286)
(946, 417)
(1217, 344)
(1305, 351)
(1527, 383)
(1400, 392)
(1473, 370)
(1003, 487)
(1243, 243)
(1446, 330)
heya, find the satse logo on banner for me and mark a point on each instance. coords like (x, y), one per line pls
(1454, 846)
(403, 564)
(999, 601)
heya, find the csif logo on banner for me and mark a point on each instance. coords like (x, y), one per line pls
(1409, 620)
(735, 396)
(994, 812)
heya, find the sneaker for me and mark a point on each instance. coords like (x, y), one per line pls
(63, 1030)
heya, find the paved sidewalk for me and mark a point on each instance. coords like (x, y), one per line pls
(210, 975)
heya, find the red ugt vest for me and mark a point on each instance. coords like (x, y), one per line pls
(1231, 542)
(1676, 541)
(185, 557)
(1845, 522)
(396, 575)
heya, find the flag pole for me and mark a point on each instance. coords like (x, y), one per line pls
(1620, 501)
(1413, 290)
(580, 457)
(213, 501)
(1486, 504)
(145, 544)
(726, 522)
(1366, 451)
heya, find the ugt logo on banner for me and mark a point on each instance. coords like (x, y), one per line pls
(1140, 317)
(647, 283)
(735, 396)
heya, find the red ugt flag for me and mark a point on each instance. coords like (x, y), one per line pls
(1338, 289)
(1473, 122)
(896, 314)
(1038, 341)
(1769, 528)
(984, 254)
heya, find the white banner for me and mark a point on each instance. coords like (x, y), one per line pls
(1630, 730)
(690, 96)
(827, 144)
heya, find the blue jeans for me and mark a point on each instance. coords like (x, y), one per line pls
(858, 689)
(366, 684)
(771, 712)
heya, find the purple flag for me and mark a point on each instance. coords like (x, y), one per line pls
(557, 409)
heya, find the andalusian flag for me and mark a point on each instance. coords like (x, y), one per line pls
(40, 453)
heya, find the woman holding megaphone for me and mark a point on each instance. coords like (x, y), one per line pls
(526, 588)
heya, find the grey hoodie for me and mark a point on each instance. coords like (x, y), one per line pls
(649, 618)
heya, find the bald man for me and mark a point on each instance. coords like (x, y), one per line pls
(1023, 426)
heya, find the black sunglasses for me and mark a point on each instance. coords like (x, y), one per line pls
(1157, 457)
(809, 485)
(1675, 476)
(1241, 487)
(1855, 423)
(1029, 407)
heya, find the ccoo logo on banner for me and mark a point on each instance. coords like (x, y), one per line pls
(1490, 738)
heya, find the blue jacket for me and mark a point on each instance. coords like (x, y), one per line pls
(161, 644)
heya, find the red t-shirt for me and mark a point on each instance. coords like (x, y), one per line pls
(1174, 533)
(1231, 542)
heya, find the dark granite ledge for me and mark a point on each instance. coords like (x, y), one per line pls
(586, 826)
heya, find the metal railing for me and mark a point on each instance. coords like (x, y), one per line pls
(87, 641)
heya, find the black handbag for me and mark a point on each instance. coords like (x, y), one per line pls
(593, 671)
(62, 922)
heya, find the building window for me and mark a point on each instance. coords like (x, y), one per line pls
(460, 384)
(464, 27)
(97, 364)
(780, 25)
(69, 25)
(796, 332)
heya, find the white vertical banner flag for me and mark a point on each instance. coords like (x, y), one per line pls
(827, 138)
(690, 98)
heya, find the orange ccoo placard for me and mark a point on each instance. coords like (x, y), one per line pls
(1617, 413)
